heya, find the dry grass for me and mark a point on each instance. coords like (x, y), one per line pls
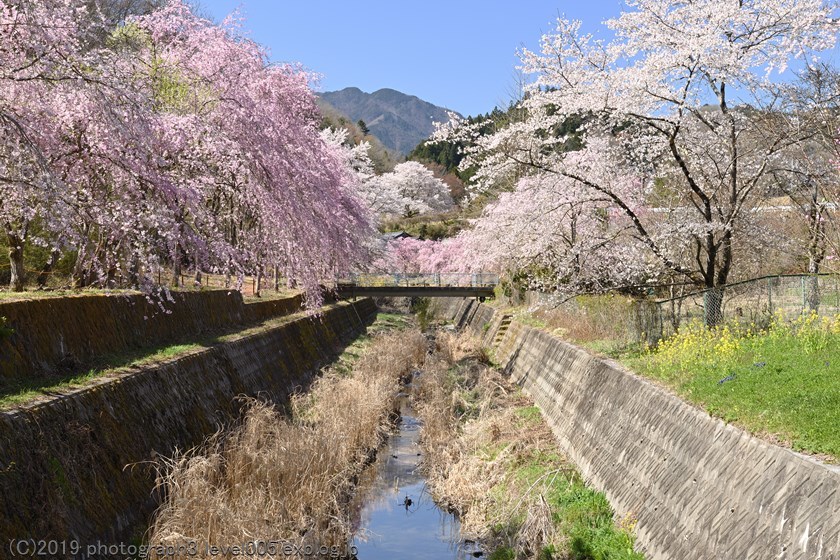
(284, 478)
(490, 457)
(605, 323)
(471, 434)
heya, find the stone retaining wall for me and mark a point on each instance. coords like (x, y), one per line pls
(700, 489)
(67, 332)
(80, 465)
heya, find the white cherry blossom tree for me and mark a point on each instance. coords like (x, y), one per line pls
(671, 105)
(410, 189)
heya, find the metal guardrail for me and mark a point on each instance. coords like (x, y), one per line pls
(415, 280)
(353, 291)
(397, 284)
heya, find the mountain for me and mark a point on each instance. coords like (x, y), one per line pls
(383, 159)
(400, 121)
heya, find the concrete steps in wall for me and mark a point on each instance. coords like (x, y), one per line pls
(503, 328)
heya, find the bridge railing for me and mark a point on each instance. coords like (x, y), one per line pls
(442, 279)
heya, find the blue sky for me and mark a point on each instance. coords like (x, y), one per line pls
(459, 54)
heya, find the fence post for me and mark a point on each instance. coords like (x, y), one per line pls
(802, 288)
(770, 297)
(661, 323)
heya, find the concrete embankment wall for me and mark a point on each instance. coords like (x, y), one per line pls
(79, 465)
(66, 333)
(700, 489)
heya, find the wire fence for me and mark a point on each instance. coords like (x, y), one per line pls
(624, 322)
(756, 301)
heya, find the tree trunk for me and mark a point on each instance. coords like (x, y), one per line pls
(197, 281)
(80, 277)
(258, 283)
(812, 287)
(176, 267)
(816, 253)
(713, 306)
(44, 276)
(18, 279)
(276, 278)
(134, 273)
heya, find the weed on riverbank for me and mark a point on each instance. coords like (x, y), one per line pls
(608, 324)
(782, 382)
(288, 478)
(490, 457)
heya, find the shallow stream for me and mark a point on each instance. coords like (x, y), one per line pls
(394, 514)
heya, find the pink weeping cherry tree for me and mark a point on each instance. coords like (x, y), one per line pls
(175, 142)
(411, 256)
(258, 183)
(42, 65)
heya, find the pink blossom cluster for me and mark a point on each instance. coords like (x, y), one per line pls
(410, 255)
(168, 141)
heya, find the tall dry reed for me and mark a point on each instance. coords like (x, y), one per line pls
(471, 435)
(280, 479)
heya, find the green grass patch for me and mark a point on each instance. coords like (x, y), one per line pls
(47, 294)
(529, 414)
(20, 392)
(265, 295)
(32, 293)
(503, 553)
(491, 451)
(527, 318)
(579, 512)
(783, 381)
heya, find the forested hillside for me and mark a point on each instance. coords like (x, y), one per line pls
(398, 120)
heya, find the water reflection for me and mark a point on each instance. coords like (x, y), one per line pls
(395, 516)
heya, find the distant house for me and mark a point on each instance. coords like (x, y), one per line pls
(393, 235)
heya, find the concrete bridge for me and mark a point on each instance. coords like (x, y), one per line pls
(480, 285)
